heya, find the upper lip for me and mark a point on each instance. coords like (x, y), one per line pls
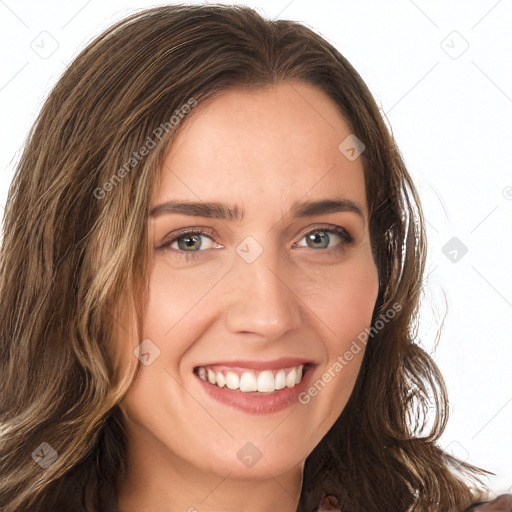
(274, 364)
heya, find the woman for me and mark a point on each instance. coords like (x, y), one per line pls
(170, 344)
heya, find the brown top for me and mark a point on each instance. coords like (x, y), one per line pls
(503, 503)
(328, 503)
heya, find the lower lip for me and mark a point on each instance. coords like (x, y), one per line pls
(258, 403)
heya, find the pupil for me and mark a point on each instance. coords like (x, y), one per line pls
(319, 237)
(190, 240)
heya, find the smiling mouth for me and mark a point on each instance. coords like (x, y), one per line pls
(252, 381)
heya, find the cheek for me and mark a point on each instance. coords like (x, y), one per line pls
(344, 298)
(345, 314)
(357, 296)
(174, 298)
(346, 311)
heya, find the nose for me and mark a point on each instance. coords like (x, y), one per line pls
(262, 299)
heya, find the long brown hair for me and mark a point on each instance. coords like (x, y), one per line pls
(73, 267)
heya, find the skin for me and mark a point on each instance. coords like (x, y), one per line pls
(264, 150)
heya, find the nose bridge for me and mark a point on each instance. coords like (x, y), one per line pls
(262, 300)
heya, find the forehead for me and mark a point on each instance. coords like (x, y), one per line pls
(279, 142)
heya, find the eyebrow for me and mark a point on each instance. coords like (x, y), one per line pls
(220, 210)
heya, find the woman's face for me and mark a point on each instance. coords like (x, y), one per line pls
(268, 287)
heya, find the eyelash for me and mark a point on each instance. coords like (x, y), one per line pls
(346, 240)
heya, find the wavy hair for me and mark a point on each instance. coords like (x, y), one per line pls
(73, 268)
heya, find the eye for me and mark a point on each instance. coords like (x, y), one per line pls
(319, 238)
(188, 242)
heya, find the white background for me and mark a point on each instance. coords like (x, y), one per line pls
(450, 109)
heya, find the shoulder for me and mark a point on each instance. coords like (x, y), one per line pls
(503, 503)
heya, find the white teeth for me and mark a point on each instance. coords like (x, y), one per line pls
(280, 379)
(232, 380)
(221, 380)
(290, 378)
(265, 381)
(248, 382)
